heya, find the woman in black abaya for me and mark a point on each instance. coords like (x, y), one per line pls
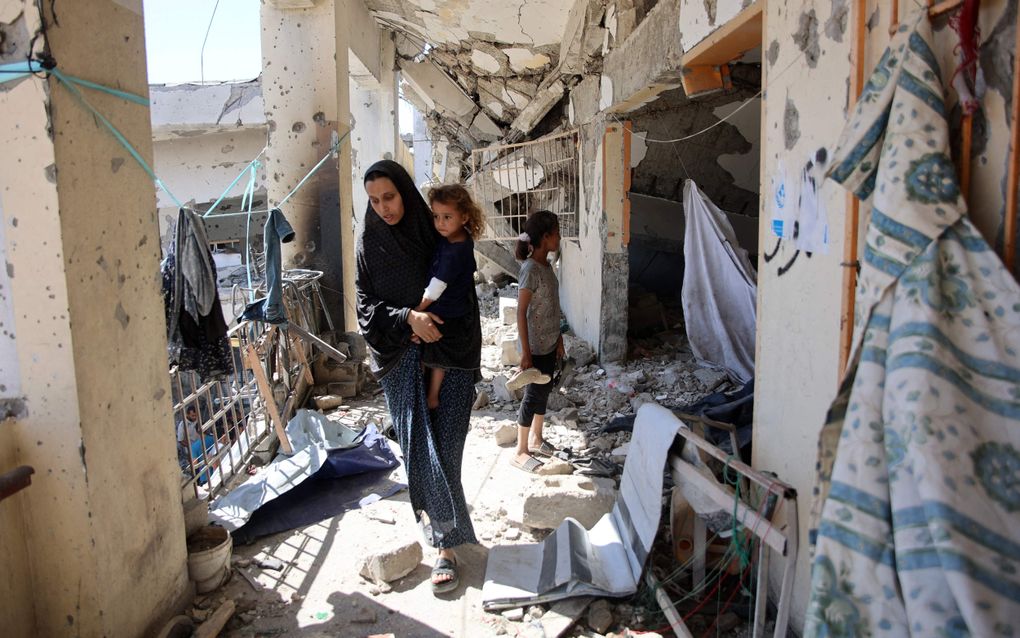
(394, 251)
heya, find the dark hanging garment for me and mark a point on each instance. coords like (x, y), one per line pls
(196, 331)
(270, 308)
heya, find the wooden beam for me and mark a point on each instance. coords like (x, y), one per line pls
(730, 41)
(1013, 169)
(851, 226)
(701, 79)
(266, 392)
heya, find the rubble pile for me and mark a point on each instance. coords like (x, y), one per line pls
(590, 395)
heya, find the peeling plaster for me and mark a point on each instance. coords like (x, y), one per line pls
(791, 125)
(835, 26)
(773, 53)
(806, 38)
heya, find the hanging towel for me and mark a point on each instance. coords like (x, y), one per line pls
(719, 289)
(916, 520)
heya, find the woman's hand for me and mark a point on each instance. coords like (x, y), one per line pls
(423, 325)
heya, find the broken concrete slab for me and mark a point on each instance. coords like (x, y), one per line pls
(510, 355)
(329, 401)
(393, 563)
(563, 615)
(556, 497)
(600, 616)
(508, 310)
(505, 434)
(538, 108)
(554, 467)
(711, 378)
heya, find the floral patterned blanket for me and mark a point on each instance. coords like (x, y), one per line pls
(916, 520)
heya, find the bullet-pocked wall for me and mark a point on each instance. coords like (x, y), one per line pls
(96, 541)
(807, 70)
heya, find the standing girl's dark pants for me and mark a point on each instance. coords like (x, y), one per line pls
(537, 396)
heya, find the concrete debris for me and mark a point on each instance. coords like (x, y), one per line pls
(506, 435)
(329, 401)
(554, 466)
(393, 563)
(502, 393)
(600, 616)
(481, 400)
(508, 310)
(514, 615)
(711, 378)
(556, 497)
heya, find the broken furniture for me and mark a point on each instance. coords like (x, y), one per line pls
(775, 533)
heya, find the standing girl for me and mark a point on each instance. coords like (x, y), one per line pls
(538, 323)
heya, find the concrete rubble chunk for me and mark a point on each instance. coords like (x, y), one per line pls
(506, 434)
(510, 355)
(600, 616)
(555, 498)
(392, 563)
(566, 417)
(508, 310)
(481, 400)
(502, 393)
(554, 466)
(557, 402)
(711, 378)
(329, 401)
(514, 615)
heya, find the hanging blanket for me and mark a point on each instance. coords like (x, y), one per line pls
(719, 290)
(917, 517)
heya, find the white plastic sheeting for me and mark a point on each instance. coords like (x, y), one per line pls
(719, 289)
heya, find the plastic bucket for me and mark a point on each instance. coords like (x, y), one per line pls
(209, 552)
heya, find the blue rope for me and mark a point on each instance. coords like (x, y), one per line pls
(332, 149)
(233, 183)
(116, 133)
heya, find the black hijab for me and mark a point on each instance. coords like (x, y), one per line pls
(392, 268)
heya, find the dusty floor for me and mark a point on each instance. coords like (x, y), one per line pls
(319, 592)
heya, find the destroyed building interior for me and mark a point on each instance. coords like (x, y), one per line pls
(788, 401)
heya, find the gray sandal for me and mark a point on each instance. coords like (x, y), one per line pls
(445, 567)
(531, 465)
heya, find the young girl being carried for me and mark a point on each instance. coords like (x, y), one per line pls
(450, 294)
(538, 324)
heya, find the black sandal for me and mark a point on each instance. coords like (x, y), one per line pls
(445, 567)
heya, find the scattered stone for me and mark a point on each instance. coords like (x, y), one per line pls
(506, 434)
(481, 400)
(501, 392)
(563, 615)
(381, 515)
(623, 450)
(535, 611)
(393, 563)
(600, 617)
(554, 466)
(711, 378)
(514, 615)
(509, 355)
(567, 417)
(557, 402)
(586, 499)
(508, 311)
(329, 401)
(512, 534)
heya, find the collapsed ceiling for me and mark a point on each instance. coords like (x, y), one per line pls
(482, 71)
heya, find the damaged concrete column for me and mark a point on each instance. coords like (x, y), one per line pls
(298, 87)
(373, 99)
(95, 545)
(345, 227)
